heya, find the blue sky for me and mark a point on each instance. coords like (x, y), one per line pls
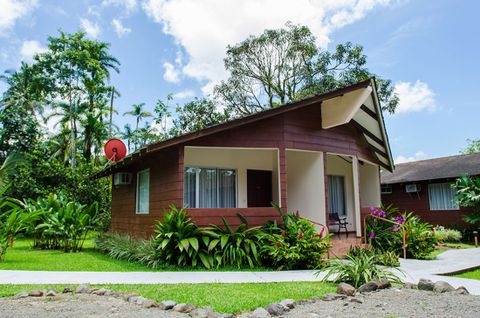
(429, 49)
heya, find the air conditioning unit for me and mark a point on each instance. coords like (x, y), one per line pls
(386, 189)
(122, 178)
(412, 188)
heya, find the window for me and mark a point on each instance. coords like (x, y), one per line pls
(209, 188)
(386, 189)
(442, 197)
(143, 191)
(336, 195)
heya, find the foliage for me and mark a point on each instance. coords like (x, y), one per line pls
(179, 241)
(472, 147)
(64, 224)
(295, 244)
(235, 247)
(124, 247)
(357, 270)
(285, 65)
(420, 239)
(384, 258)
(443, 234)
(195, 115)
(468, 195)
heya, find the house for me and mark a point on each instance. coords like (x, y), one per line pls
(318, 155)
(425, 187)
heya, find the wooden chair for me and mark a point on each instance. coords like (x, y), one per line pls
(340, 221)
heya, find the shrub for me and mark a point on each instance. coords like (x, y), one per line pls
(181, 242)
(447, 235)
(63, 224)
(235, 247)
(385, 236)
(124, 247)
(357, 270)
(295, 244)
(384, 258)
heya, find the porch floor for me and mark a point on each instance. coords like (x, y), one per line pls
(341, 244)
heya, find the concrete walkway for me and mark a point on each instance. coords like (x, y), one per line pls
(447, 262)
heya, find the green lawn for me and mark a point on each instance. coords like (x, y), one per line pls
(23, 257)
(475, 274)
(225, 298)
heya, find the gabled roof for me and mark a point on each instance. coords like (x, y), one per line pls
(438, 168)
(364, 113)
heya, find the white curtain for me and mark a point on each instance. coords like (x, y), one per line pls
(190, 188)
(143, 191)
(207, 188)
(336, 195)
(226, 188)
(442, 197)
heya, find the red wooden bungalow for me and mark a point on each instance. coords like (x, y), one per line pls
(319, 155)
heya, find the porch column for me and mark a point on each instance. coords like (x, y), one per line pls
(356, 196)
(282, 163)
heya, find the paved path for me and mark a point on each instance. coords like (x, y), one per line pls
(413, 270)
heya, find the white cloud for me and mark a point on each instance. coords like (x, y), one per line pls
(12, 10)
(90, 28)
(419, 155)
(414, 97)
(128, 5)
(188, 93)
(205, 28)
(171, 74)
(29, 49)
(120, 29)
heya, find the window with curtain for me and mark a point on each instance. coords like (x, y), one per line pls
(336, 195)
(442, 197)
(209, 188)
(143, 191)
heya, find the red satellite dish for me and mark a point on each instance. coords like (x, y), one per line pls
(115, 149)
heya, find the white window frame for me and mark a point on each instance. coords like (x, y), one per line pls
(137, 192)
(197, 185)
(456, 207)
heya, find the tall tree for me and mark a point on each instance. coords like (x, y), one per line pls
(138, 113)
(128, 134)
(473, 146)
(162, 114)
(285, 65)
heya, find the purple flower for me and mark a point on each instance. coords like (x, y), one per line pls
(395, 228)
(372, 235)
(373, 211)
(382, 214)
(399, 219)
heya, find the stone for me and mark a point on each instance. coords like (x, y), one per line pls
(288, 303)
(148, 303)
(82, 289)
(140, 300)
(227, 316)
(383, 283)
(368, 287)
(127, 296)
(331, 297)
(185, 308)
(315, 299)
(303, 302)
(108, 293)
(21, 295)
(356, 300)
(425, 284)
(51, 293)
(99, 291)
(345, 289)
(461, 291)
(36, 293)
(410, 286)
(260, 313)
(276, 309)
(168, 304)
(204, 312)
(68, 289)
(443, 287)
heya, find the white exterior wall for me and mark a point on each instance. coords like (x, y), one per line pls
(240, 159)
(339, 167)
(306, 184)
(370, 185)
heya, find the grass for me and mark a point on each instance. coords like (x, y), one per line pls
(225, 298)
(474, 274)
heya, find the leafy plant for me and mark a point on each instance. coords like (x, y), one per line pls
(468, 195)
(357, 270)
(180, 241)
(384, 258)
(295, 244)
(235, 247)
(443, 234)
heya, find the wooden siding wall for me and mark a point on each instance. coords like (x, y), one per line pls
(300, 129)
(420, 206)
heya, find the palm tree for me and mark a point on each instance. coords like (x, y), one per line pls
(138, 113)
(128, 134)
